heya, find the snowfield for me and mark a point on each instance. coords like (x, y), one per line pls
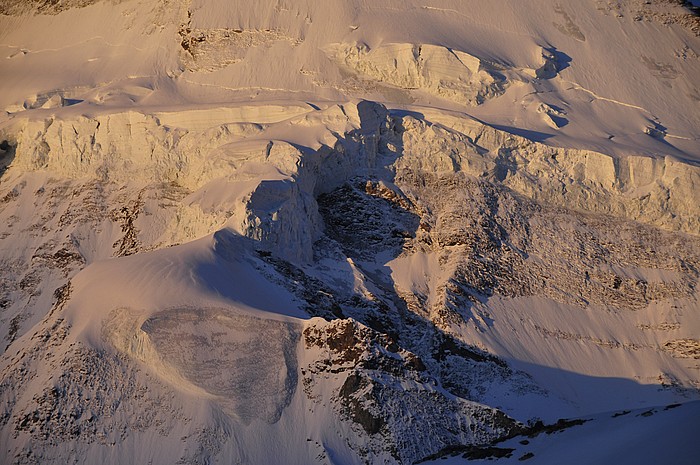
(401, 232)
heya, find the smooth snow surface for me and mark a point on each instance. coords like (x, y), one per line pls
(346, 232)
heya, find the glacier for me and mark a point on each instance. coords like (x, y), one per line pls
(356, 232)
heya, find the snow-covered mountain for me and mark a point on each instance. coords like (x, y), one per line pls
(349, 232)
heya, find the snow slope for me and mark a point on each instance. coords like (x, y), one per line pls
(639, 436)
(360, 232)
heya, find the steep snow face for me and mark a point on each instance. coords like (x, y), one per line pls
(362, 233)
(447, 73)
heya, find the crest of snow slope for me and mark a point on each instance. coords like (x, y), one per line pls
(454, 238)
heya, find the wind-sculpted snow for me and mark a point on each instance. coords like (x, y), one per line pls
(447, 73)
(249, 364)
